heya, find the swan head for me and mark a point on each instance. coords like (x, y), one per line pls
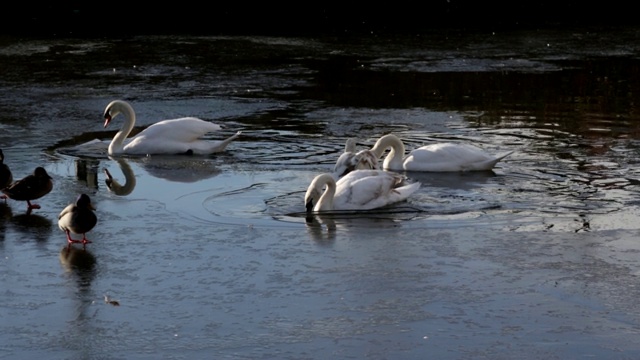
(350, 145)
(348, 161)
(312, 197)
(110, 181)
(115, 108)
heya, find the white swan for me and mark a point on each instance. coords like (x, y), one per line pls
(443, 157)
(176, 136)
(349, 160)
(358, 190)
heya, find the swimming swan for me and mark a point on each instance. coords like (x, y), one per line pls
(443, 157)
(358, 190)
(351, 160)
(176, 136)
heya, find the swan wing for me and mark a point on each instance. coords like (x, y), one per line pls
(450, 157)
(183, 130)
(176, 136)
(350, 161)
(370, 189)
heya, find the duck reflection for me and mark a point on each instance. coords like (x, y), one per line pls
(36, 226)
(79, 261)
(5, 216)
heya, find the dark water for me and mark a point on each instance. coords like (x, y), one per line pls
(213, 257)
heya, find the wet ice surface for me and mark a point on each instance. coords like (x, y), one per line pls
(214, 256)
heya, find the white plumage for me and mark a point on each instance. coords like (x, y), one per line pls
(358, 190)
(351, 160)
(175, 136)
(443, 157)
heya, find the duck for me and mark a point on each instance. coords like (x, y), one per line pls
(6, 178)
(351, 160)
(31, 187)
(171, 137)
(440, 157)
(78, 218)
(358, 190)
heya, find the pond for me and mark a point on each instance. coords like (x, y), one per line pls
(214, 255)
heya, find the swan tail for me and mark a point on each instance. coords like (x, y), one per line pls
(222, 145)
(407, 190)
(489, 164)
(504, 155)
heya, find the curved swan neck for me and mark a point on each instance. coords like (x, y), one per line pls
(325, 202)
(129, 179)
(394, 159)
(120, 107)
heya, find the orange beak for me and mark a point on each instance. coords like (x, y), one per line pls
(107, 120)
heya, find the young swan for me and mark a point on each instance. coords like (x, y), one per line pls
(358, 190)
(351, 160)
(443, 157)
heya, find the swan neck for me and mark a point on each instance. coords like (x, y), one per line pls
(394, 159)
(117, 144)
(325, 203)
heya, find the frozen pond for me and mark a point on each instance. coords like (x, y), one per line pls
(213, 256)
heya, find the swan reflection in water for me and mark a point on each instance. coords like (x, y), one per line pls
(129, 179)
(324, 228)
(170, 168)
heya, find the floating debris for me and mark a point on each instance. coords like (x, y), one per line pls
(110, 301)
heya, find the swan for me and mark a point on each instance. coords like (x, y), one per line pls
(351, 160)
(78, 218)
(443, 157)
(358, 190)
(29, 188)
(175, 136)
(6, 178)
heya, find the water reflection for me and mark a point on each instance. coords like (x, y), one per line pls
(5, 216)
(321, 229)
(129, 179)
(466, 181)
(33, 226)
(182, 169)
(326, 227)
(86, 171)
(80, 262)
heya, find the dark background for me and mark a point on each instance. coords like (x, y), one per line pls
(104, 19)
